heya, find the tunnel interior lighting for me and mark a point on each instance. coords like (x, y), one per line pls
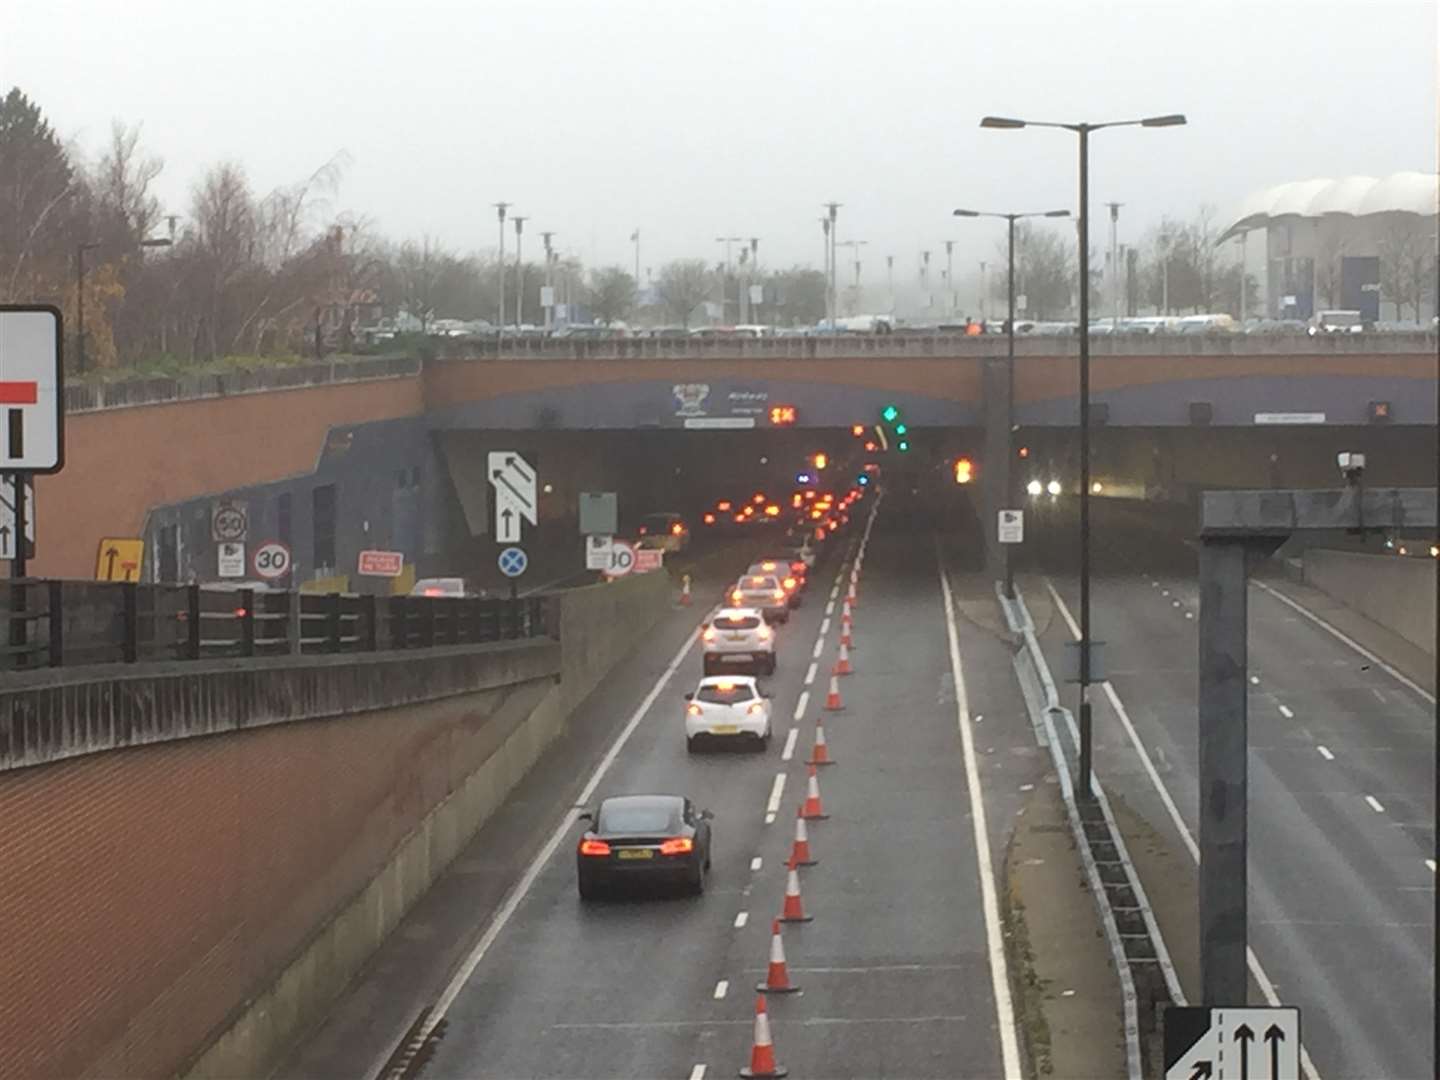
(709, 519)
(723, 506)
(901, 429)
(1096, 488)
(862, 479)
(772, 510)
(1024, 452)
(759, 498)
(870, 447)
(782, 415)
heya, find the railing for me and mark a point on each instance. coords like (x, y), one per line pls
(88, 397)
(69, 623)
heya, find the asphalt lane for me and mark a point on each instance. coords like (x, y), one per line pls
(895, 967)
(1340, 800)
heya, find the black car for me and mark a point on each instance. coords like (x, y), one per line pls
(644, 840)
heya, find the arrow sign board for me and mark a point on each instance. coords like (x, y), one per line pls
(7, 517)
(513, 479)
(507, 519)
(31, 389)
(1232, 1044)
(1012, 526)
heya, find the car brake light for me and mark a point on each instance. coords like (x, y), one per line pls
(679, 845)
(779, 594)
(723, 505)
(789, 583)
(772, 510)
(694, 710)
(594, 847)
(739, 519)
(677, 529)
(239, 612)
(763, 633)
(709, 519)
(756, 709)
(759, 498)
(434, 592)
(643, 530)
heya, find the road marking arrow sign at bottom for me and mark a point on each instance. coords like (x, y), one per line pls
(1232, 1044)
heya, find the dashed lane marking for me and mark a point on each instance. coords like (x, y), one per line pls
(777, 789)
(756, 863)
(830, 608)
(824, 627)
(810, 674)
(1430, 864)
(1325, 753)
(698, 1072)
(1375, 804)
(1287, 712)
(803, 703)
(819, 646)
(741, 919)
(789, 751)
(721, 989)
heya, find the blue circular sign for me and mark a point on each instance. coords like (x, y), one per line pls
(513, 562)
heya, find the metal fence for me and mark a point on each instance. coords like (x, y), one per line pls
(69, 623)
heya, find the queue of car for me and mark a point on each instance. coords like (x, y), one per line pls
(664, 840)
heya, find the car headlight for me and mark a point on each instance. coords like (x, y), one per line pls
(1034, 487)
(1053, 487)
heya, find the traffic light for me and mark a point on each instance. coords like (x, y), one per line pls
(890, 414)
(901, 429)
(903, 446)
(964, 470)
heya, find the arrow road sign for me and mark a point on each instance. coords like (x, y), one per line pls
(1219, 1044)
(513, 479)
(7, 517)
(507, 519)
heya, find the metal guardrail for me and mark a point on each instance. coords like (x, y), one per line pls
(55, 623)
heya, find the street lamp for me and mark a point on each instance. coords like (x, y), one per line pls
(1006, 484)
(519, 274)
(500, 208)
(1084, 130)
(80, 249)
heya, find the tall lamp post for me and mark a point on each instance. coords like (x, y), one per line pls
(80, 250)
(519, 274)
(1083, 130)
(500, 208)
(1007, 485)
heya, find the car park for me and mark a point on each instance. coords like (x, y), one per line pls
(727, 709)
(763, 592)
(644, 841)
(737, 637)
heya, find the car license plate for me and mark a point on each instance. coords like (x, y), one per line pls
(636, 853)
(725, 729)
(734, 637)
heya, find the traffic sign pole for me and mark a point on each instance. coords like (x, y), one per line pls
(17, 562)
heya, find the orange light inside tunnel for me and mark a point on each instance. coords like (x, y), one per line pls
(821, 461)
(858, 430)
(1024, 451)
(797, 500)
(749, 511)
(709, 519)
(815, 515)
(870, 447)
(677, 529)
(809, 495)
(772, 510)
(739, 519)
(723, 506)
(964, 471)
(759, 498)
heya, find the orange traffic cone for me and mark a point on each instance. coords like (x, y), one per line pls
(842, 664)
(832, 699)
(850, 597)
(800, 850)
(685, 590)
(777, 979)
(813, 810)
(793, 911)
(762, 1053)
(846, 640)
(845, 619)
(821, 754)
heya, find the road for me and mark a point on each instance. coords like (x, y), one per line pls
(1341, 805)
(901, 968)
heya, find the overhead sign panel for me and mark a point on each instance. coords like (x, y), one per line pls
(31, 390)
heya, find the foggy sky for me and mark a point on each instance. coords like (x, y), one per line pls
(696, 120)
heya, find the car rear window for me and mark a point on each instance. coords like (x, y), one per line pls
(725, 693)
(630, 818)
(737, 622)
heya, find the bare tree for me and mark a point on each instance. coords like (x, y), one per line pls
(683, 285)
(1045, 270)
(1402, 273)
(611, 294)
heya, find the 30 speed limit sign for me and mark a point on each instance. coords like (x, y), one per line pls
(272, 560)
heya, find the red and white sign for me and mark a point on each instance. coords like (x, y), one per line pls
(272, 560)
(622, 558)
(30, 389)
(382, 563)
(648, 559)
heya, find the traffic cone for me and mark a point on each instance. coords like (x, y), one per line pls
(777, 979)
(800, 850)
(813, 810)
(793, 911)
(685, 590)
(846, 640)
(821, 754)
(842, 663)
(850, 599)
(832, 699)
(762, 1053)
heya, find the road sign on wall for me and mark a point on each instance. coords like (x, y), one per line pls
(597, 552)
(598, 513)
(230, 560)
(1012, 526)
(228, 523)
(119, 558)
(622, 558)
(7, 517)
(31, 389)
(514, 481)
(381, 563)
(272, 560)
(513, 562)
(648, 559)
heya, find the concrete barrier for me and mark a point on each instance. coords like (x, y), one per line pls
(1397, 593)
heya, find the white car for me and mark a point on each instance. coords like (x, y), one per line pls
(739, 636)
(762, 591)
(727, 708)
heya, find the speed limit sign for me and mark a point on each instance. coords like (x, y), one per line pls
(272, 560)
(622, 559)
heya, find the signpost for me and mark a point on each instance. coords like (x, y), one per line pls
(9, 521)
(272, 560)
(230, 559)
(1202, 1043)
(513, 479)
(32, 419)
(228, 524)
(622, 558)
(119, 559)
(512, 562)
(598, 513)
(598, 550)
(381, 563)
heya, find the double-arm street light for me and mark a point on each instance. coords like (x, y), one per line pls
(80, 250)
(1006, 485)
(1084, 130)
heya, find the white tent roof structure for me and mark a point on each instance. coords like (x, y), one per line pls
(1353, 196)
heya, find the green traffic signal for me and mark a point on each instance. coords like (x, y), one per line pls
(902, 446)
(901, 429)
(889, 413)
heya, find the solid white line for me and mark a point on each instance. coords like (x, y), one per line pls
(698, 1072)
(776, 790)
(741, 919)
(1366, 653)
(1267, 988)
(999, 976)
(1286, 712)
(1325, 753)
(819, 645)
(562, 831)
(721, 988)
(803, 702)
(824, 627)
(756, 863)
(810, 674)
(789, 751)
(1375, 804)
